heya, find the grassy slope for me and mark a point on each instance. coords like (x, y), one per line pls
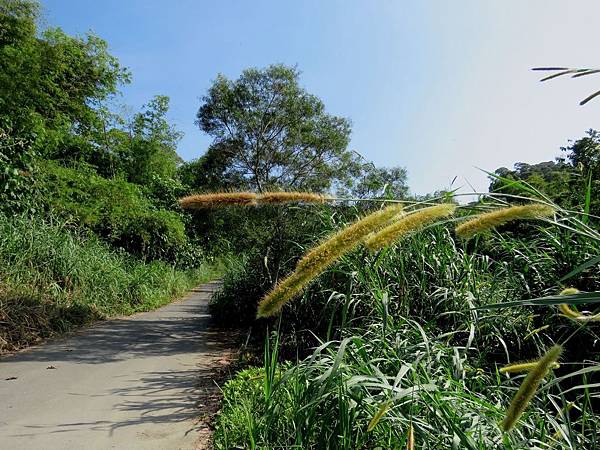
(52, 280)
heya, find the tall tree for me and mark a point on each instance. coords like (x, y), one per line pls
(51, 84)
(380, 182)
(275, 134)
(153, 143)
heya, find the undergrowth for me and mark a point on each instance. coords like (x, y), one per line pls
(408, 342)
(54, 278)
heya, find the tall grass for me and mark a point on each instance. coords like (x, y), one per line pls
(414, 339)
(53, 278)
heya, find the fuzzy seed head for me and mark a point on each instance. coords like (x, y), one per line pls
(383, 408)
(322, 256)
(573, 314)
(490, 220)
(218, 200)
(529, 387)
(408, 224)
(569, 291)
(289, 197)
(345, 240)
(283, 292)
(523, 367)
(410, 440)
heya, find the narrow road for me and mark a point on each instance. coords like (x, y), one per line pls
(129, 383)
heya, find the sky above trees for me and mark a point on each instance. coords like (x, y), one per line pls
(434, 87)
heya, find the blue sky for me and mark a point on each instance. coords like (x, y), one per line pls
(439, 87)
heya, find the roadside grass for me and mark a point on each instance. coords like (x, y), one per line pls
(407, 344)
(368, 390)
(54, 278)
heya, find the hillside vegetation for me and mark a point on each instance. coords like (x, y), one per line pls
(90, 225)
(375, 318)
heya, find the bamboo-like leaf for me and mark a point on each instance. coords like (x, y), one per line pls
(586, 265)
(587, 72)
(591, 97)
(559, 74)
(550, 68)
(581, 298)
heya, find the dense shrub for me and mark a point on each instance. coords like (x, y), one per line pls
(115, 210)
(270, 241)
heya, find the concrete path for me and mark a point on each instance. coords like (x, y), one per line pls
(129, 383)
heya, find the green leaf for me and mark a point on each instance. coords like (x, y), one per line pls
(581, 298)
(586, 265)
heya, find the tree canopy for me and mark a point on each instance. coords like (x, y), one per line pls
(566, 180)
(271, 133)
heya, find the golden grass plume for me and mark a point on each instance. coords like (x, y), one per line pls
(489, 220)
(529, 387)
(573, 314)
(322, 256)
(218, 200)
(410, 439)
(383, 408)
(288, 197)
(407, 224)
(523, 367)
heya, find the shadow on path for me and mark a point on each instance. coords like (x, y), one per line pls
(137, 382)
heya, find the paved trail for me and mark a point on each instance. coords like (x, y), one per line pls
(130, 383)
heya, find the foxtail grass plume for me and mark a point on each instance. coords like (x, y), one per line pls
(529, 386)
(410, 441)
(289, 197)
(573, 314)
(407, 224)
(218, 200)
(385, 406)
(321, 257)
(523, 367)
(490, 220)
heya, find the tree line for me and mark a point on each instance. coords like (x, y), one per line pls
(66, 150)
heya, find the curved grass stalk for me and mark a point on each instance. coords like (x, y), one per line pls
(409, 223)
(490, 220)
(529, 387)
(321, 257)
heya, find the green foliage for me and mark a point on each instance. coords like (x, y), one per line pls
(379, 182)
(273, 240)
(271, 133)
(566, 181)
(413, 335)
(114, 209)
(16, 165)
(53, 279)
(366, 389)
(51, 85)
(151, 148)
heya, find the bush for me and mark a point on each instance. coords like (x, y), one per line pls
(115, 210)
(272, 240)
(368, 389)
